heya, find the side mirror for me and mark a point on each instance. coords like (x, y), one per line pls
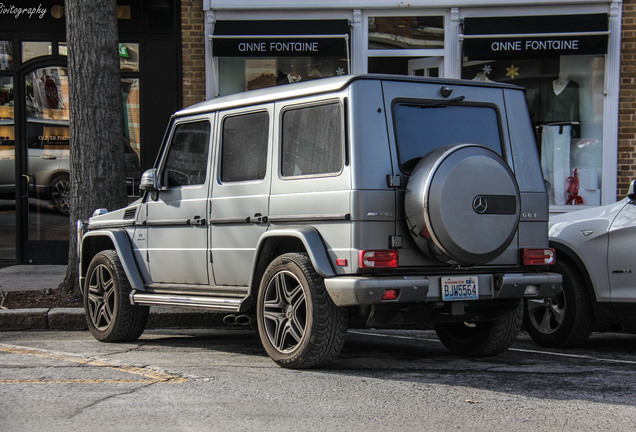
(149, 180)
(631, 192)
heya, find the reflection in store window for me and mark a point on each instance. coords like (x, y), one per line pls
(237, 74)
(565, 100)
(31, 50)
(400, 32)
(129, 57)
(132, 139)
(7, 171)
(6, 55)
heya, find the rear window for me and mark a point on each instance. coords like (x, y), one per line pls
(421, 127)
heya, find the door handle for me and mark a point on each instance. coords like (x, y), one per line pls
(257, 218)
(196, 221)
(28, 179)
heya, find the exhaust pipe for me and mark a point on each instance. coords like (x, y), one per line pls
(229, 319)
(243, 320)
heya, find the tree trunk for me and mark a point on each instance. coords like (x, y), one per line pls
(97, 167)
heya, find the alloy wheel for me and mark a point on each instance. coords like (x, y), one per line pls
(101, 297)
(285, 311)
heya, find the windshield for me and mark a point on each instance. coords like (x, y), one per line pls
(424, 126)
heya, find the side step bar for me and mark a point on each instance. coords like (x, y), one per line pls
(218, 304)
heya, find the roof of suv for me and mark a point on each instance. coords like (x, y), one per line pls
(307, 88)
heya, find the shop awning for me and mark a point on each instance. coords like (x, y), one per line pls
(490, 38)
(281, 38)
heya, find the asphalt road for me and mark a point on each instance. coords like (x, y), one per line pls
(220, 379)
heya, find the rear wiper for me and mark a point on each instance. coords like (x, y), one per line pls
(439, 103)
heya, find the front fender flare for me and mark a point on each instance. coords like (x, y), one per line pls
(121, 243)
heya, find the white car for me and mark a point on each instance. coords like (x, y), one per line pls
(595, 253)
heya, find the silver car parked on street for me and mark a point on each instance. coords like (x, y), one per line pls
(596, 257)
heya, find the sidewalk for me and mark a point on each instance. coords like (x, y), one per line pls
(41, 277)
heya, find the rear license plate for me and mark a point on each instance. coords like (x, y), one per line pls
(460, 288)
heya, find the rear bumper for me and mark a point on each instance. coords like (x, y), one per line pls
(363, 290)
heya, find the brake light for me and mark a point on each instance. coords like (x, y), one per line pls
(538, 256)
(378, 258)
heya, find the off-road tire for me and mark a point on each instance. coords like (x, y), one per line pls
(565, 320)
(481, 339)
(299, 325)
(109, 314)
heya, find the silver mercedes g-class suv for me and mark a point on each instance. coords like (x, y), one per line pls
(374, 200)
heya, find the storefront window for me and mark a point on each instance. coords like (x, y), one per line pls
(564, 78)
(6, 55)
(237, 74)
(31, 50)
(129, 57)
(7, 170)
(132, 133)
(421, 32)
(258, 54)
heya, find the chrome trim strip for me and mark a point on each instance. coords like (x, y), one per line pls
(310, 217)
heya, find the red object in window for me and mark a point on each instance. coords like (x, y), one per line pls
(378, 258)
(538, 256)
(573, 190)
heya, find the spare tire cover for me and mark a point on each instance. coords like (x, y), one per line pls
(462, 204)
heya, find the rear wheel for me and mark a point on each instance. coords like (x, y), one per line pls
(109, 314)
(564, 320)
(299, 325)
(483, 338)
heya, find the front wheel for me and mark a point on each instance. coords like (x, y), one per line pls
(109, 314)
(564, 320)
(482, 338)
(299, 325)
(60, 190)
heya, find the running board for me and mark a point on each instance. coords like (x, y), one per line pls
(219, 304)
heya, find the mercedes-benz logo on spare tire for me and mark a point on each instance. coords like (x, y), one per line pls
(480, 204)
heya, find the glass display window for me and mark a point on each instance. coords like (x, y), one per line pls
(565, 100)
(6, 55)
(406, 32)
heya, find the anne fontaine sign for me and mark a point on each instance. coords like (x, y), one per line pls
(290, 46)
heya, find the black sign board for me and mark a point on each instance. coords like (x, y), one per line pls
(535, 36)
(311, 38)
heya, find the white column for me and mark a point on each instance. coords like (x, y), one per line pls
(211, 80)
(358, 46)
(452, 47)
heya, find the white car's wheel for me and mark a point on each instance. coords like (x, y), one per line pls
(564, 320)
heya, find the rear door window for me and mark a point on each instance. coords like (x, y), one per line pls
(313, 141)
(421, 127)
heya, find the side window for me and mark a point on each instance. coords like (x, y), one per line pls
(187, 160)
(313, 141)
(244, 147)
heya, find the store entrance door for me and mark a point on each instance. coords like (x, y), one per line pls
(427, 66)
(43, 147)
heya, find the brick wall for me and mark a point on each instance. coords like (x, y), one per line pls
(193, 54)
(627, 101)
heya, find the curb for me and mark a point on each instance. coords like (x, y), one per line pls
(75, 319)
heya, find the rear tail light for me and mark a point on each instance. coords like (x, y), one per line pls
(378, 258)
(538, 256)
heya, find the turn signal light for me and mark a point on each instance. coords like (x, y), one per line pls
(538, 256)
(378, 258)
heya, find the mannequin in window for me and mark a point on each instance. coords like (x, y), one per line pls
(559, 115)
(560, 101)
